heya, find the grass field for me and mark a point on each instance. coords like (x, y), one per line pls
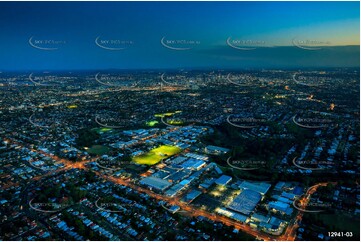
(162, 115)
(98, 150)
(175, 122)
(156, 155)
(102, 130)
(152, 123)
(72, 106)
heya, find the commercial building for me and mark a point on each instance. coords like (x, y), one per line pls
(223, 180)
(171, 192)
(284, 208)
(197, 156)
(245, 202)
(260, 187)
(256, 217)
(155, 183)
(231, 214)
(190, 196)
(207, 183)
(193, 164)
(215, 150)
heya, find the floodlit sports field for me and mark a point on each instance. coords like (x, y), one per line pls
(156, 155)
(102, 130)
(72, 106)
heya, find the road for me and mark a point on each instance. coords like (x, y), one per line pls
(68, 164)
(291, 231)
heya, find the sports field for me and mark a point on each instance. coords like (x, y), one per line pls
(102, 130)
(162, 115)
(156, 155)
(72, 106)
(152, 123)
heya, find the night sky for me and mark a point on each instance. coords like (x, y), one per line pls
(66, 34)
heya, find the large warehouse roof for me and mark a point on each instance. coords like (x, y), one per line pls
(245, 202)
(261, 187)
(155, 183)
(223, 180)
(193, 164)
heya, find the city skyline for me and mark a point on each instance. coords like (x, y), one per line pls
(180, 121)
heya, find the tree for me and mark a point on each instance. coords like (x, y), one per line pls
(86, 137)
